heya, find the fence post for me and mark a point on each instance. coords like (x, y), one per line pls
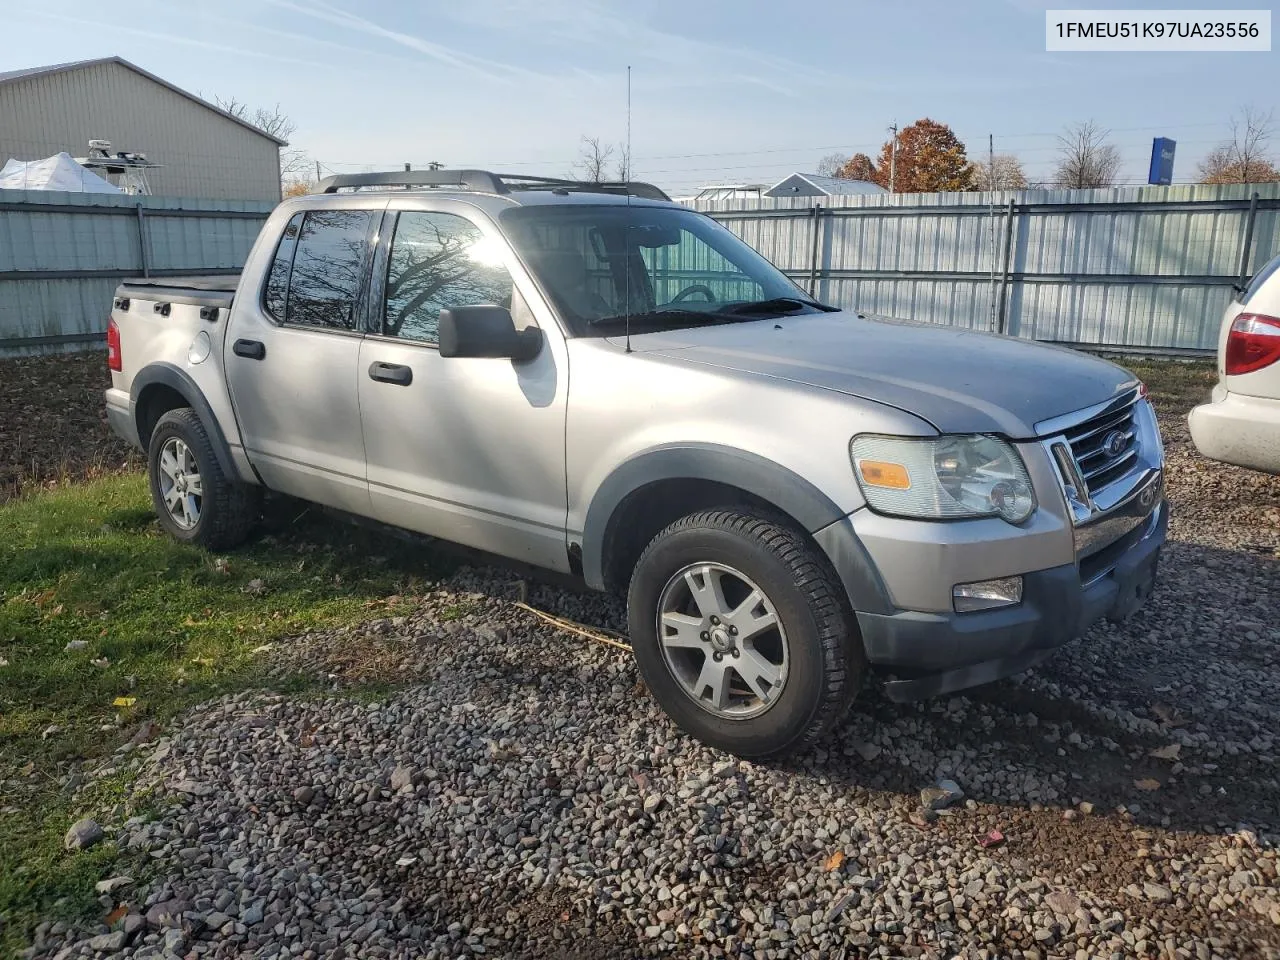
(142, 241)
(1001, 305)
(1248, 240)
(815, 250)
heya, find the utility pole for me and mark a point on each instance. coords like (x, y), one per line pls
(893, 156)
(434, 165)
(319, 176)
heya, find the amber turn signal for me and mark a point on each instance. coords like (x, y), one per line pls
(879, 473)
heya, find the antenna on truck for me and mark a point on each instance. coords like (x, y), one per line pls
(626, 234)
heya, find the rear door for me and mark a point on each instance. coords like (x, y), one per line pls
(291, 357)
(468, 450)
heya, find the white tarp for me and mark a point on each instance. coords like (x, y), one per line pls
(59, 172)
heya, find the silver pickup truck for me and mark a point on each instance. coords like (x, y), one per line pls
(593, 380)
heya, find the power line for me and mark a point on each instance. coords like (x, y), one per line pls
(999, 137)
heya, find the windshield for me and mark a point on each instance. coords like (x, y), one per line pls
(661, 267)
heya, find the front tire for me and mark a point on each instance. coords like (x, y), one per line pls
(742, 633)
(195, 501)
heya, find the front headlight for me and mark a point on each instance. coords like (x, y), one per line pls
(943, 478)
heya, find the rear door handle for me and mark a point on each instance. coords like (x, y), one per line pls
(250, 349)
(395, 373)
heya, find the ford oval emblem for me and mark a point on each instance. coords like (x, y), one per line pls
(1113, 443)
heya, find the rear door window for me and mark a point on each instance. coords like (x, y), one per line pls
(276, 297)
(328, 269)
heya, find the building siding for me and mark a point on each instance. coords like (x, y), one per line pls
(204, 154)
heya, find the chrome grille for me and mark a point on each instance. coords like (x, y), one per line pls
(1105, 447)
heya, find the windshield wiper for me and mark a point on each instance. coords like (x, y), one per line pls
(774, 305)
(649, 316)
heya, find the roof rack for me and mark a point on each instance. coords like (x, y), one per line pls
(482, 181)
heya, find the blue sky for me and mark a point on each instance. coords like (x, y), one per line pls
(722, 91)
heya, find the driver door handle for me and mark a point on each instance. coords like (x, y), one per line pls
(395, 373)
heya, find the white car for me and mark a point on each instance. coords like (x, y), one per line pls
(1241, 422)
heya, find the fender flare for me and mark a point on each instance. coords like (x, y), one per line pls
(763, 478)
(168, 375)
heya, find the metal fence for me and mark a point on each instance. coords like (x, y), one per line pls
(62, 255)
(1145, 268)
(1140, 268)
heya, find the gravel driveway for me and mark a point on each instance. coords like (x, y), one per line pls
(517, 794)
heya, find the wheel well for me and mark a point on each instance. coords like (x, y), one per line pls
(153, 403)
(645, 512)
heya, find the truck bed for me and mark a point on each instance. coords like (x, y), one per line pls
(202, 289)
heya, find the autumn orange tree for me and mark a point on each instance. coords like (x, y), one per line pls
(930, 157)
(857, 167)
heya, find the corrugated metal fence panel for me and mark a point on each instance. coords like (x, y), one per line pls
(938, 257)
(71, 310)
(947, 302)
(52, 290)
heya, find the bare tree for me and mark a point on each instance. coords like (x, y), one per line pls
(1246, 157)
(829, 166)
(294, 163)
(623, 163)
(592, 165)
(1085, 158)
(1001, 172)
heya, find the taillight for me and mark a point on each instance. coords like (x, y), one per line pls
(113, 346)
(1253, 343)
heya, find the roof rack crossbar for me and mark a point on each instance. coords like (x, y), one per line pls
(474, 180)
(482, 181)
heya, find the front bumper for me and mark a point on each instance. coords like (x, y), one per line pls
(1237, 429)
(955, 651)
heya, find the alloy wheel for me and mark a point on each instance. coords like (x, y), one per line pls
(722, 640)
(180, 485)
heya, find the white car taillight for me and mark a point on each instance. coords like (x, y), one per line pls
(1252, 343)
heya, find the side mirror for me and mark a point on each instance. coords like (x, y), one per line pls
(485, 330)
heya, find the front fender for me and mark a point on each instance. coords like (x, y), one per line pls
(764, 479)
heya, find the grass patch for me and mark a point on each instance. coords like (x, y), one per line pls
(152, 626)
(1175, 385)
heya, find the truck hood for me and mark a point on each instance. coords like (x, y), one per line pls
(958, 380)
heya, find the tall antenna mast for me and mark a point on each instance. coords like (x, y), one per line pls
(992, 186)
(626, 235)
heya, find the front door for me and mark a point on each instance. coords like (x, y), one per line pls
(292, 359)
(468, 450)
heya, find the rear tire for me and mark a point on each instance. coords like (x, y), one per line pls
(732, 594)
(195, 501)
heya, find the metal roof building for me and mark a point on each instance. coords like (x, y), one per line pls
(203, 150)
(813, 185)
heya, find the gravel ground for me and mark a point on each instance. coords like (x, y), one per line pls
(512, 791)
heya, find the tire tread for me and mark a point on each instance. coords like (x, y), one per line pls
(843, 659)
(230, 508)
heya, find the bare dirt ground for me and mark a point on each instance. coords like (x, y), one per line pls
(53, 426)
